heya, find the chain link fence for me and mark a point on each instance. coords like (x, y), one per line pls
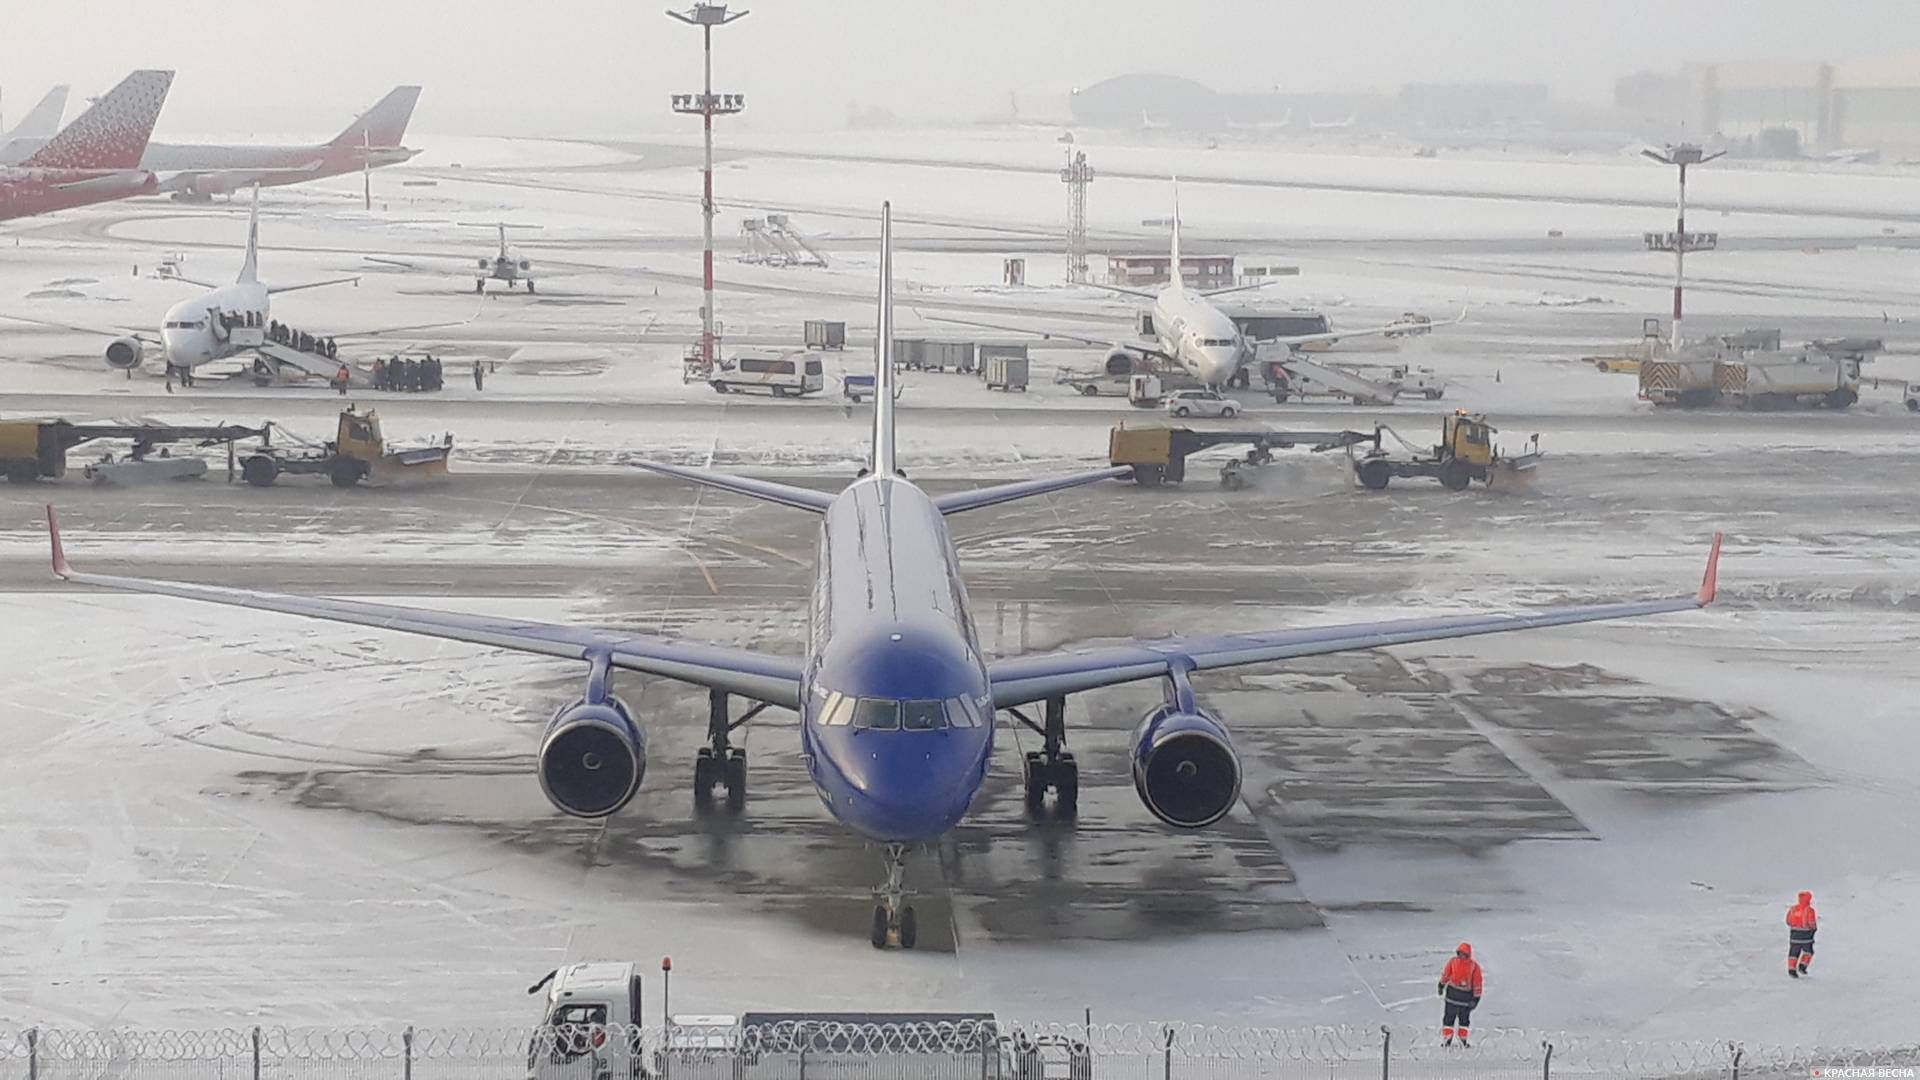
(818, 1050)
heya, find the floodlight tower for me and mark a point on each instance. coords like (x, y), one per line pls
(707, 105)
(1077, 174)
(1680, 241)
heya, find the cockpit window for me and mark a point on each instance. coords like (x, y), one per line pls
(1216, 342)
(922, 715)
(877, 714)
(886, 714)
(962, 713)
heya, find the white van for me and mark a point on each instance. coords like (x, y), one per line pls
(787, 375)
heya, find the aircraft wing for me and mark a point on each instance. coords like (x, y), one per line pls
(1295, 340)
(761, 676)
(1049, 335)
(1023, 679)
(275, 290)
(381, 331)
(232, 179)
(115, 332)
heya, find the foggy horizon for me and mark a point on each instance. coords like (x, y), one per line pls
(599, 68)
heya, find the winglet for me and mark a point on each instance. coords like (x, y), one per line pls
(60, 568)
(1710, 585)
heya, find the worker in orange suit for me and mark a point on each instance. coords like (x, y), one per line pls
(1802, 922)
(1461, 984)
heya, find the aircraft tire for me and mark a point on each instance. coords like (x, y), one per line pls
(1036, 779)
(736, 774)
(881, 927)
(480, 285)
(909, 928)
(703, 779)
(1067, 789)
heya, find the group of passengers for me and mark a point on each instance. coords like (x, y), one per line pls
(280, 333)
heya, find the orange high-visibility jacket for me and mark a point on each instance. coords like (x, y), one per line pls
(1464, 973)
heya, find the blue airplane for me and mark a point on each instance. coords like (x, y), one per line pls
(897, 700)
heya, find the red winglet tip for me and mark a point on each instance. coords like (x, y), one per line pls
(60, 567)
(1710, 585)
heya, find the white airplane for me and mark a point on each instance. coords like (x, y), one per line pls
(225, 322)
(507, 264)
(1186, 329)
(41, 123)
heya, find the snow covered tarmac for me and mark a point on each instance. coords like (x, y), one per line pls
(214, 816)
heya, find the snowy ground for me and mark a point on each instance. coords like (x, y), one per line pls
(215, 816)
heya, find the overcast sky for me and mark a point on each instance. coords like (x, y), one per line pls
(607, 66)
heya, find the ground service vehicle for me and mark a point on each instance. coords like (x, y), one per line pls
(788, 375)
(1007, 373)
(1466, 453)
(31, 449)
(1201, 403)
(821, 334)
(358, 452)
(1913, 398)
(590, 1025)
(1158, 455)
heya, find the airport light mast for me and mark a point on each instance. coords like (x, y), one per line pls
(707, 105)
(1680, 241)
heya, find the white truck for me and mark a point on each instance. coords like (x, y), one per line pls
(590, 1027)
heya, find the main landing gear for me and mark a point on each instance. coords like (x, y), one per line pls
(892, 917)
(719, 763)
(1052, 767)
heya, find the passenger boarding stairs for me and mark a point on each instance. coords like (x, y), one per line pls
(1311, 377)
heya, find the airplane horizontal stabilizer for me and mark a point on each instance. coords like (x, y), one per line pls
(765, 490)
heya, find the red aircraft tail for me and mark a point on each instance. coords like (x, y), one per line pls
(113, 132)
(383, 125)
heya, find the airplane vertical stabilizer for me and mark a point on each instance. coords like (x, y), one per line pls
(1174, 276)
(883, 445)
(250, 266)
(113, 132)
(43, 120)
(383, 125)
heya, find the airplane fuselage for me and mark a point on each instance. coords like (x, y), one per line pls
(191, 334)
(29, 191)
(1198, 336)
(895, 706)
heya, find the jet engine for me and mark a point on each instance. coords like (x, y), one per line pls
(486, 264)
(1184, 767)
(526, 265)
(592, 757)
(125, 354)
(1122, 362)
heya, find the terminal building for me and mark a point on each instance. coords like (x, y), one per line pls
(1146, 271)
(1784, 108)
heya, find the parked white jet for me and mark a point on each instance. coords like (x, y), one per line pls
(225, 322)
(1184, 328)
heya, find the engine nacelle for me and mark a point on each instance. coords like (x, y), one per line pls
(592, 758)
(1185, 767)
(125, 354)
(526, 265)
(1122, 362)
(486, 264)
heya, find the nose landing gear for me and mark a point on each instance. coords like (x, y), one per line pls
(892, 917)
(1051, 768)
(719, 763)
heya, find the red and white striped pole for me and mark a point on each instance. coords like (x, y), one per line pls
(707, 16)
